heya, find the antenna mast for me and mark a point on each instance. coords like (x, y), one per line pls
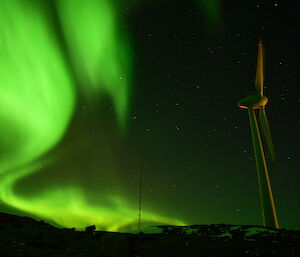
(140, 190)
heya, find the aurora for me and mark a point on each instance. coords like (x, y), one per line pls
(38, 97)
(87, 86)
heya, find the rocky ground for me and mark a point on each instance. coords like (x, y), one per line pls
(21, 236)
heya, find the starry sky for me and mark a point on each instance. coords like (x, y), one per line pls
(167, 106)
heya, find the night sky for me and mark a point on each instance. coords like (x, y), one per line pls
(160, 96)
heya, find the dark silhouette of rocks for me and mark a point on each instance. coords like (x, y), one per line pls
(90, 228)
(21, 236)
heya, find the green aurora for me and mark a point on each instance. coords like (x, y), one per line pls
(40, 87)
(212, 12)
(98, 49)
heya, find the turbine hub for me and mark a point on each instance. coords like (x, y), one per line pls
(255, 101)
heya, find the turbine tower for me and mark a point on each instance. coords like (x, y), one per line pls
(258, 102)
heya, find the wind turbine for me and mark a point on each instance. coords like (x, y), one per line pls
(255, 102)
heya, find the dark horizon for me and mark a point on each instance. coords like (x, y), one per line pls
(82, 94)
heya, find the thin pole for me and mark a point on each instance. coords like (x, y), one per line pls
(266, 196)
(140, 191)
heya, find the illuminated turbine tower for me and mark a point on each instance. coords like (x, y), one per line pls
(253, 102)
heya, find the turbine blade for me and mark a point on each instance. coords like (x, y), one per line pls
(267, 132)
(259, 77)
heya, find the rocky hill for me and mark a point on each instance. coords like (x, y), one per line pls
(21, 236)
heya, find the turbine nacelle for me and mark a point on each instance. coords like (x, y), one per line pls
(255, 101)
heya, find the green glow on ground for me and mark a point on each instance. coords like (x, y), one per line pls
(37, 98)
